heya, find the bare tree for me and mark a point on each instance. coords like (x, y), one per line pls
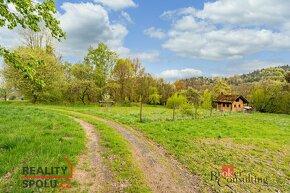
(33, 39)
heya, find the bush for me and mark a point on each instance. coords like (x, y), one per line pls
(187, 109)
(176, 101)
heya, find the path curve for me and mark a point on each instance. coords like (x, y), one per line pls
(163, 173)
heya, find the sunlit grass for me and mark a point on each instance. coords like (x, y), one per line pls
(33, 137)
(254, 143)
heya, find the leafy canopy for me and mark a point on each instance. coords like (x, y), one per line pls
(28, 14)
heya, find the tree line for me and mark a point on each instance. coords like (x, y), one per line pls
(104, 76)
(268, 90)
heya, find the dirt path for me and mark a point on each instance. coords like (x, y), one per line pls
(91, 173)
(162, 172)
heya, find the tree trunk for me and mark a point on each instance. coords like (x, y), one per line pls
(83, 99)
(5, 95)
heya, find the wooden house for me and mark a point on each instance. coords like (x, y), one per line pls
(234, 103)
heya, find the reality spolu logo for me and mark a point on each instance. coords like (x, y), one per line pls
(47, 177)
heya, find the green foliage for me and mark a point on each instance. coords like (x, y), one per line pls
(81, 85)
(126, 102)
(221, 86)
(272, 73)
(187, 109)
(154, 97)
(122, 76)
(5, 89)
(102, 59)
(29, 14)
(165, 90)
(287, 77)
(176, 101)
(48, 78)
(206, 100)
(193, 97)
(271, 96)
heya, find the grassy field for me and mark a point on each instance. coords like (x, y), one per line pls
(117, 155)
(33, 137)
(254, 143)
(150, 113)
(36, 137)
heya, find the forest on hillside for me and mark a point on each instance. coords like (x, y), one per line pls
(103, 75)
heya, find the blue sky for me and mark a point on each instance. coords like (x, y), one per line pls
(178, 38)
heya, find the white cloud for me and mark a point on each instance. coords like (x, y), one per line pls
(180, 74)
(178, 12)
(86, 25)
(225, 44)
(250, 66)
(247, 12)
(126, 17)
(228, 29)
(117, 4)
(154, 33)
(9, 38)
(146, 56)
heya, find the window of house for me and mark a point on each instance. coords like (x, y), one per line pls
(239, 105)
(235, 106)
(228, 105)
(224, 105)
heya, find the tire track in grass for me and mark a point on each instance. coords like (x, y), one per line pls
(162, 173)
(116, 154)
(91, 173)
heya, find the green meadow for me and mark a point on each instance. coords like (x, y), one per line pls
(256, 143)
(33, 137)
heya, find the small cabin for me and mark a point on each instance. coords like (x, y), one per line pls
(233, 103)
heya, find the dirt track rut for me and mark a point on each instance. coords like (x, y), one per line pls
(162, 172)
(91, 173)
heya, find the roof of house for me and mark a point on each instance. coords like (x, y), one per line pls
(230, 98)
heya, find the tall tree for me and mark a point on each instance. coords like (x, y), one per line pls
(122, 75)
(5, 89)
(221, 87)
(174, 102)
(81, 84)
(165, 89)
(154, 97)
(194, 98)
(265, 96)
(180, 85)
(51, 73)
(103, 60)
(206, 100)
